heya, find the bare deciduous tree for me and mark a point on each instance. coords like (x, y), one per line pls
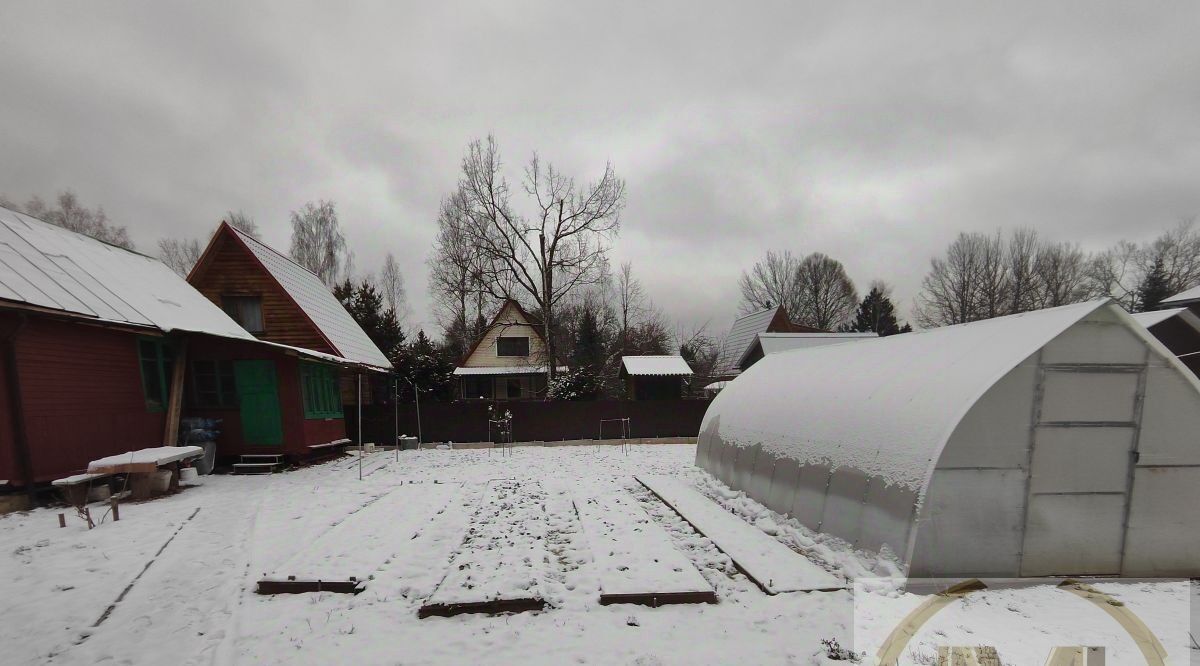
(455, 269)
(981, 277)
(631, 303)
(243, 223)
(948, 291)
(771, 282)
(391, 283)
(318, 243)
(179, 255)
(1024, 252)
(1062, 276)
(826, 294)
(560, 245)
(68, 213)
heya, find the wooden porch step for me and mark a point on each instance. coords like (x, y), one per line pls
(254, 468)
(273, 457)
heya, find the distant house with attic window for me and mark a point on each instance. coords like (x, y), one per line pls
(509, 360)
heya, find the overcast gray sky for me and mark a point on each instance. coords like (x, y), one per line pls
(873, 133)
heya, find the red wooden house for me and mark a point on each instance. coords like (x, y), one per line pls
(103, 350)
(91, 337)
(277, 301)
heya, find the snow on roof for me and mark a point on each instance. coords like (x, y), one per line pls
(741, 335)
(506, 370)
(318, 303)
(773, 343)
(1156, 317)
(884, 406)
(1185, 296)
(643, 366)
(47, 266)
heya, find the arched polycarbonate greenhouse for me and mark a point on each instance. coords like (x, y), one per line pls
(1059, 442)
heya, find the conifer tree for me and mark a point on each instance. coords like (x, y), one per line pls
(877, 314)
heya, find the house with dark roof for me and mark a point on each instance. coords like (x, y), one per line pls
(744, 333)
(509, 360)
(1179, 330)
(1188, 298)
(103, 350)
(765, 344)
(276, 405)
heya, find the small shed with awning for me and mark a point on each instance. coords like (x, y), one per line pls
(658, 377)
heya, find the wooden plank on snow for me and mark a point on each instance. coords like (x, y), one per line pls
(635, 559)
(771, 565)
(345, 556)
(501, 562)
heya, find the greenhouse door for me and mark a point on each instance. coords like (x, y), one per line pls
(1079, 474)
(258, 395)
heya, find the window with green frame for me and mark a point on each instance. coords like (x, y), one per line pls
(322, 396)
(156, 361)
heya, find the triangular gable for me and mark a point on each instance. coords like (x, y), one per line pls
(313, 317)
(516, 315)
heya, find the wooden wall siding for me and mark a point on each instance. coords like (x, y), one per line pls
(9, 467)
(320, 431)
(232, 269)
(509, 323)
(81, 390)
(296, 434)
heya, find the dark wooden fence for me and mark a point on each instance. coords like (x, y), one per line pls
(532, 421)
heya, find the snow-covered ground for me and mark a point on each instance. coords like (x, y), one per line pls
(174, 579)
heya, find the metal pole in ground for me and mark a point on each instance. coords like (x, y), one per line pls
(358, 377)
(396, 419)
(417, 394)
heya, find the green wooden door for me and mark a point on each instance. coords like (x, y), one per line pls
(258, 395)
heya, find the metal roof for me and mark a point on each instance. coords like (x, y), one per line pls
(741, 335)
(1156, 317)
(773, 343)
(656, 366)
(1185, 296)
(50, 267)
(318, 303)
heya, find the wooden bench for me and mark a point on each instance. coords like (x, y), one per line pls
(328, 445)
(75, 488)
(327, 450)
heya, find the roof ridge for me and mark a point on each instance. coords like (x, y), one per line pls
(82, 235)
(247, 237)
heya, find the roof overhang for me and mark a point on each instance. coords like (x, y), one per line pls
(505, 370)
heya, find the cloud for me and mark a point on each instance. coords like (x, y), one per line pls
(873, 133)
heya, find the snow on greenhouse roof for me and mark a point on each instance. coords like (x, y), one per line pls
(1185, 296)
(50, 267)
(317, 302)
(663, 366)
(884, 406)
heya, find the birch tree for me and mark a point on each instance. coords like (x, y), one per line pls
(318, 243)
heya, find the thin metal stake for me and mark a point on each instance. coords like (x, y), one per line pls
(360, 442)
